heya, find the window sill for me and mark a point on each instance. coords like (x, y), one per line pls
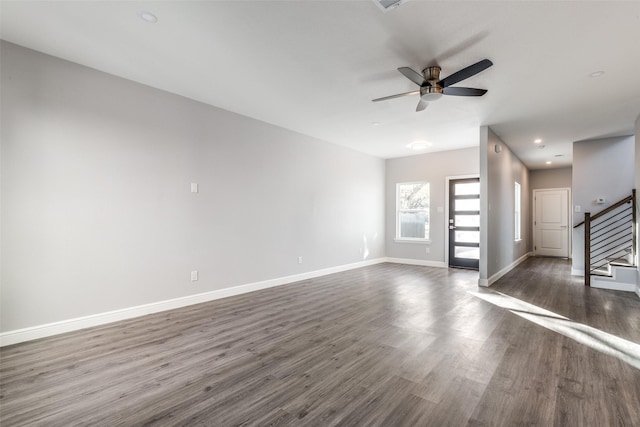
(414, 241)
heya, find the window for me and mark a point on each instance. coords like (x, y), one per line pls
(518, 217)
(412, 211)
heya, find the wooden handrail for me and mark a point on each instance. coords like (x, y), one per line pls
(607, 210)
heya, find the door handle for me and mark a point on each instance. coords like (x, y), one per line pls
(451, 227)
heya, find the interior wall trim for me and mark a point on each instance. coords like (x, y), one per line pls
(423, 263)
(70, 325)
(613, 286)
(577, 272)
(491, 280)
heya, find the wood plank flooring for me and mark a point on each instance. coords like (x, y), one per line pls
(387, 345)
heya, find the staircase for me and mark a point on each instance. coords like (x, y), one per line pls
(618, 274)
(610, 246)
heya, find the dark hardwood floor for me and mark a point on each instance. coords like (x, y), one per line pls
(388, 345)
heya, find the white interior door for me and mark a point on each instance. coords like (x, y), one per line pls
(551, 222)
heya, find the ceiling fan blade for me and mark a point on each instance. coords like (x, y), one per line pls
(465, 73)
(415, 92)
(414, 76)
(463, 91)
(422, 104)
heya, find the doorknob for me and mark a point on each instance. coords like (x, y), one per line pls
(451, 227)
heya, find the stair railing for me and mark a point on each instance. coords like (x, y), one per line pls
(609, 236)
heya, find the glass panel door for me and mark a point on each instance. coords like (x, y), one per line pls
(464, 223)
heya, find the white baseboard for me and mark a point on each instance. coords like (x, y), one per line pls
(491, 280)
(69, 325)
(424, 263)
(577, 272)
(614, 286)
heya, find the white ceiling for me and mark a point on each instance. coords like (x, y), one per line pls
(315, 66)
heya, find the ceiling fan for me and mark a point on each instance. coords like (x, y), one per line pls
(432, 87)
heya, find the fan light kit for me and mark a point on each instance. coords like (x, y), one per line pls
(432, 87)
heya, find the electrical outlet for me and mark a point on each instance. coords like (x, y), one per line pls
(194, 276)
(299, 260)
(428, 249)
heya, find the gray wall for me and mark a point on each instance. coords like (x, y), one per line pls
(433, 168)
(498, 173)
(97, 213)
(550, 178)
(601, 168)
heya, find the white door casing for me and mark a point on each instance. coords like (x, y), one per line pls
(551, 222)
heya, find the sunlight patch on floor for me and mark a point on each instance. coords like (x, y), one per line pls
(627, 351)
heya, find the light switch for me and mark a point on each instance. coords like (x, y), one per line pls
(578, 208)
(194, 187)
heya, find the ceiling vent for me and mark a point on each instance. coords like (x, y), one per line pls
(388, 4)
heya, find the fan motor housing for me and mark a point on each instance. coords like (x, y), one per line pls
(431, 74)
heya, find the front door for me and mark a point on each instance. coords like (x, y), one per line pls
(464, 223)
(551, 222)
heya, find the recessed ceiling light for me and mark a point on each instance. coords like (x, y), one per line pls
(419, 145)
(375, 123)
(596, 74)
(548, 162)
(537, 141)
(148, 17)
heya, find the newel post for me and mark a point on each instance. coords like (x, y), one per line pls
(634, 249)
(587, 249)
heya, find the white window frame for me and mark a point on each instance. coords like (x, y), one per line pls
(398, 210)
(517, 211)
